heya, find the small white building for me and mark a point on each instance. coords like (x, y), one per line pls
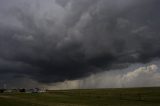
(35, 90)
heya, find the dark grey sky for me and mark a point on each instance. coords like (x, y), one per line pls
(51, 41)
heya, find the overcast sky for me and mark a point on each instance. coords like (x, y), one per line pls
(51, 41)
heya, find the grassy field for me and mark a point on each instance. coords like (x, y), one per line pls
(94, 97)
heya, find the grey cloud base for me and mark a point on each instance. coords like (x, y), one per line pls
(51, 41)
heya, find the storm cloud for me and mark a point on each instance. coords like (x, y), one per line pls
(56, 40)
(137, 75)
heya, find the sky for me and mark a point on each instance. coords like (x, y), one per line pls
(79, 43)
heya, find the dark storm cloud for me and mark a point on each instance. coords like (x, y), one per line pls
(51, 41)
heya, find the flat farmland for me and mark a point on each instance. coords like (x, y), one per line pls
(85, 97)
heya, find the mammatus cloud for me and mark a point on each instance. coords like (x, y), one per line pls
(54, 40)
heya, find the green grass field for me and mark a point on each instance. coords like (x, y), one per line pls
(94, 97)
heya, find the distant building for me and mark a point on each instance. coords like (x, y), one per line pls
(42, 91)
(23, 90)
(7, 91)
(35, 90)
(15, 90)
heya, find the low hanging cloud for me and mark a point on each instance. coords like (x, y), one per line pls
(137, 75)
(54, 40)
(143, 76)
